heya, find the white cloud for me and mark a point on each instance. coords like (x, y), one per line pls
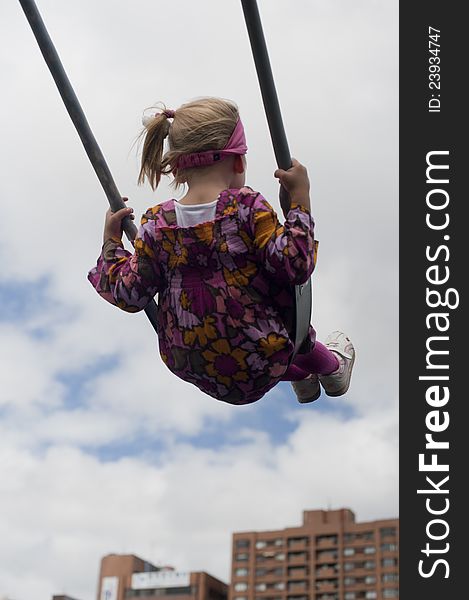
(182, 510)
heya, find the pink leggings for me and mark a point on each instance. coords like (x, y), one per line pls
(320, 361)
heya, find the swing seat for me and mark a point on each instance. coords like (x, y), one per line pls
(303, 304)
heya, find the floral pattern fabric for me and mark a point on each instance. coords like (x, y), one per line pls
(225, 290)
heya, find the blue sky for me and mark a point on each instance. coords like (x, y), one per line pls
(19, 299)
(101, 449)
(22, 301)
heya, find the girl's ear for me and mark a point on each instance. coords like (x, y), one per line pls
(238, 164)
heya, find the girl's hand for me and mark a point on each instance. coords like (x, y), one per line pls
(113, 222)
(296, 182)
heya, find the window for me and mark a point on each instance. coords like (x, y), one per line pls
(261, 572)
(264, 571)
(349, 566)
(349, 551)
(369, 579)
(279, 585)
(242, 556)
(369, 564)
(369, 549)
(387, 532)
(241, 572)
(371, 595)
(349, 580)
(349, 596)
(242, 544)
(390, 593)
(268, 554)
(262, 587)
(329, 555)
(278, 542)
(389, 547)
(320, 583)
(261, 544)
(240, 598)
(241, 587)
(390, 577)
(326, 567)
(280, 556)
(349, 537)
(389, 562)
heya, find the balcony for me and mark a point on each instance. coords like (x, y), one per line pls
(297, 587)
(327, 586)
(326, 541)
(297, 572)
(269, 556)
(297, 558)
(326, 573)
(325, 556)
(298, 543)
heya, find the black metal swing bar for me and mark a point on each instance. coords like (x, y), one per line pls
(303, 293)
(271, 105)
(77, 115)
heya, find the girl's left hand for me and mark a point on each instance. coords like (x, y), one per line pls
(113, 222)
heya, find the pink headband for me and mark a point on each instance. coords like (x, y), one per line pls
(235, 145)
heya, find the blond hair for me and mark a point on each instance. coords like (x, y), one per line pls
(200, 125)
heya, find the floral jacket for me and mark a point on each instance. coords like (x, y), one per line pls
(224, 290)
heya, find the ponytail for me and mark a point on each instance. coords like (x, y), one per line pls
(153, 165)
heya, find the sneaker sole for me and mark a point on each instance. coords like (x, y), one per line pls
(343, 390)
(308, 400)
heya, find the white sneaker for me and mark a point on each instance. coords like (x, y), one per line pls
(307, 390)
(337, 383)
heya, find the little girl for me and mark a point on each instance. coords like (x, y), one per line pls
(221, 263)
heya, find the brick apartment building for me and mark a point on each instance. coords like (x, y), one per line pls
(328, 557)
(124, 576)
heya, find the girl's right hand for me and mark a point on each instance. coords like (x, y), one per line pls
(113, 222)
(296, 181)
